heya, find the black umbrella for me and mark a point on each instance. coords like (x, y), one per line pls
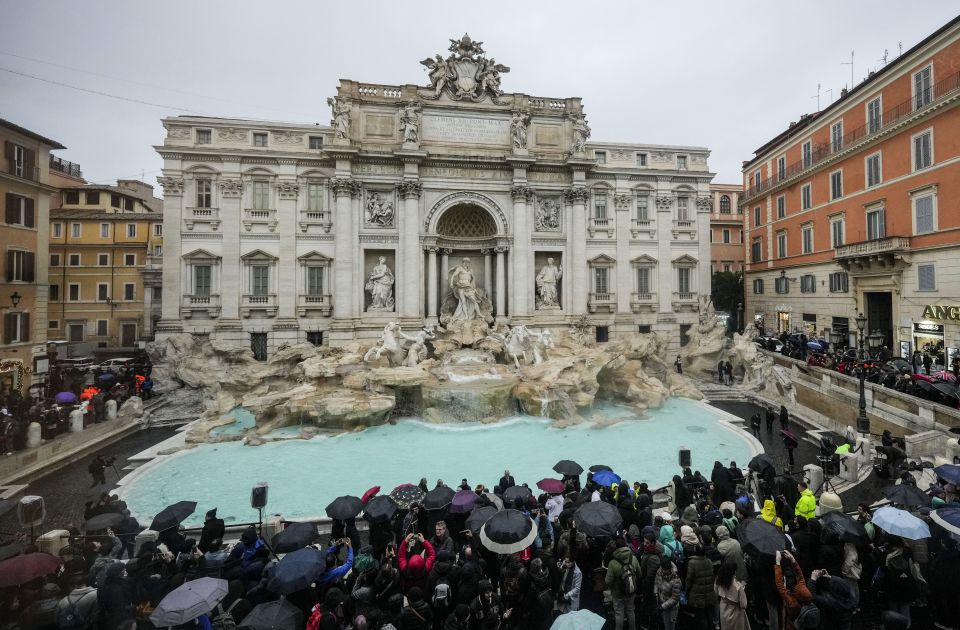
(188, 601)
(513, 493)
(759, 537)
(479, 516)
(568, 467)
(438, 498)
(406, 494)
(295, 536)
(598, 518)
(345, 507)
(379, 509)
(508, 532)
(278, 615)
(173, 515)
(845, 527)
(296, 571)
(761, 462)
(103, 521)
(906, 494)
(947, 389)
(599, 467)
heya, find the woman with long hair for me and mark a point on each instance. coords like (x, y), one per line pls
(733, 597)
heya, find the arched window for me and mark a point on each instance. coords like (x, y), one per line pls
(725, 204)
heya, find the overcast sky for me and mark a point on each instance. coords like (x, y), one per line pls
(726, 75)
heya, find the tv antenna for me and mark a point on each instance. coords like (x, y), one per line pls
(831, 94)
(850, 63)
(885, 54)
(817, 97)
(900, 48)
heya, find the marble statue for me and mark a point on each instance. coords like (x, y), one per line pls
(466, 72)
(518, 129)
(547, 218)
(515, 344)
(542, 343)
(440, 73)
(380, 287)
(341, 117)
(464, 288)
(416, 352)
(410, 123)
(581, 131)
(387, 343)
(379, 211)
(547, 281)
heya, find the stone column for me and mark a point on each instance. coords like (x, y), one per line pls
(520, 289)
(501, 283)
(173, 289)
(624, 285)
(287, 289)
(444, 274)
(488, 273)
(666, 283)
(577, 268)
(230, 284)
(432, 283)
(344, 284)
(409, 257)
(147, 309)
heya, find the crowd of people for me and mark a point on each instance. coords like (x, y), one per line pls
(689, 565)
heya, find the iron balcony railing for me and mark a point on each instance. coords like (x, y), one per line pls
(64, 166)
(821, 152)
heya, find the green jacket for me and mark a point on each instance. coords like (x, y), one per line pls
(807, 505)
(699, 584)
(622, 556)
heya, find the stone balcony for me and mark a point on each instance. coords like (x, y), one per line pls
(250, 302)
(605, 225)
(880, 253)
(194, 303)
(307, 303)
(257, 216)
(643, 302)
(645, 227)
(684, 227)
(602, 301)
(684, 301)
(320, 218)
(206, 216)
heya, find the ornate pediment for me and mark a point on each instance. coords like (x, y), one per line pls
(643, 260)
(315, 257)
(466, 74)
(686, 259)
(258, 255)
(199, 255)
(602, 260)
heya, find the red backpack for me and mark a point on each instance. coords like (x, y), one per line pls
(313, 623)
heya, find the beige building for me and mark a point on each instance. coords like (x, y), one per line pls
(726, 228)
(24, 187)
(106, 243)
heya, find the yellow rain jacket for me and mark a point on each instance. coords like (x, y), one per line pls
(769, 513)
(807, 505)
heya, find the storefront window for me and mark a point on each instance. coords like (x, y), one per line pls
(928, 339)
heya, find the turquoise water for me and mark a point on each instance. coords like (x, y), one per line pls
(305, 475)
(243, 420)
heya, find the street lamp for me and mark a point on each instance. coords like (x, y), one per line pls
(15, 298)
(836, 338)
(863, 423)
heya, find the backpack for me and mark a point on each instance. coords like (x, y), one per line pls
(901, 585)
(441, 594)
(808, 618)
(69, 617)
(677, 556)
(225, 621)
(313, 623)
(628, 579)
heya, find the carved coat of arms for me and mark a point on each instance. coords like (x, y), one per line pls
(466, 74)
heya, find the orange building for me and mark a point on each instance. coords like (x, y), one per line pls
(855, 209)
(726, 228)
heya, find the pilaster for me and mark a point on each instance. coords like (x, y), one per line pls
(577, 198)
(521, 257)
(410, 255)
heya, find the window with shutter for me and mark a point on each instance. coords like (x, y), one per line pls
(924, 214)
(29, 266)
(643, 280)
(926, 278)
(11, 210)
(9, 326)
(29, 214)
(24, 327)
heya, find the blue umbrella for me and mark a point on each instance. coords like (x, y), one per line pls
(949, 473)
(65, 398)
(108, 376)
(947, 518)
(813, 345)
(188, 601)
(296, 571)
(606, 478)
(900, 523)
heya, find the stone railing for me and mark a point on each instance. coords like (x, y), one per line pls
(606, 301)
(875, 246)
(322, 303)
(315, 217)
(643, 302)
(252, 302)
(192, 216)
(258, 216)
(191, 303)
(601, 224)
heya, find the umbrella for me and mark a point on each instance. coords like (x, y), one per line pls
(480, 516)
(65, 398)
(463, 501)
(846, 528)
(949, 473)
(945, 375)
(761, 462)
(511, 494)
(103, 521)
(947, 518)
(947, 389)
(294, 536)
(899, 523)
(278, 615)
(173, 515)
(438, 498)
(188, 601)
(578, 620)
(10, 549)
(345, 507)
(813, 345)
(599, 467)
(107, 376)
(606, 478)
(598, 518)
(759, 537)
(296, 571)
(21, 569)
(906, 494)
(508, 532)
(369, 494)
(567, 467)
(494, 499)
(553, 486)
(406, 494)
(379, 509)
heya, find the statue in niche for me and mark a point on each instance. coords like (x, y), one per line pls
(581, 131)
(464, 288)
(410, 123)
(518, 128)
(547, 282)
(379, 211)
(380, 287)
(547, 218)
(341, 117)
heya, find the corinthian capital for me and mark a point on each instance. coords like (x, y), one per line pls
(576, 195)
(521, 193)
(410, 189)
(344, 186)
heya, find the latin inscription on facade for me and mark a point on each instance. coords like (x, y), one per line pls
(548, 136)
(458, 129)
(379, 125)
(445, 171)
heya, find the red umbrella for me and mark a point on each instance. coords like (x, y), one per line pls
(369, 494)
(552, 486)
(790, 435)
(21, 569)
(922, 377)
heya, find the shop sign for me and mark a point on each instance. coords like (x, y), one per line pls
(928, 328)
(936, 311)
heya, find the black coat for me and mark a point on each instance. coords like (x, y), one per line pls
(213, 529)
